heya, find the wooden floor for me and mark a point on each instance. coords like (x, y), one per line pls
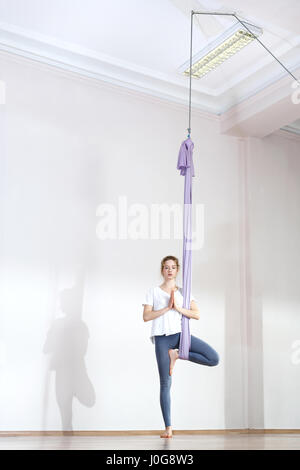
(233, 441)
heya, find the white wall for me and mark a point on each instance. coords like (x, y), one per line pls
(273, 169)
(75, 350)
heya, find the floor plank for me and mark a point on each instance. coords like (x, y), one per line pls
(178, 442)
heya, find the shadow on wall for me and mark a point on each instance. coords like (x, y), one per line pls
(66, 343)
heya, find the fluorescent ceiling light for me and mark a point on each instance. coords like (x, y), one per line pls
(222, 48)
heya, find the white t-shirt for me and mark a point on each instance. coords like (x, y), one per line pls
(170, 322)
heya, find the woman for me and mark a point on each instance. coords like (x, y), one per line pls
(163, 305)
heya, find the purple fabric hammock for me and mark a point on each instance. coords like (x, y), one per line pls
(186, 166)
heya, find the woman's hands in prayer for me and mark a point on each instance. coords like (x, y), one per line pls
(172, 303)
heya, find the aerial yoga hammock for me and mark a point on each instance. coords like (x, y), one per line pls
(186, 166)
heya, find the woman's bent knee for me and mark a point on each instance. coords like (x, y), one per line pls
(214, 360)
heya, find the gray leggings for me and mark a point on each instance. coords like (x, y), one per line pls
(200, 353)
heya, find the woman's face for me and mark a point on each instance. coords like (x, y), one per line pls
(170, 270)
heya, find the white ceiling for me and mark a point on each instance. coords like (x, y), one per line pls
(141, 44)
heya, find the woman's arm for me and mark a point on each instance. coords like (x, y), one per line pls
(150, 314)
(193, 313)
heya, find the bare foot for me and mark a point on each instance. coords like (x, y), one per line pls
(173, 354)
(167, 433)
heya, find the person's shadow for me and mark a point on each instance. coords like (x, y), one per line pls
(67, 342)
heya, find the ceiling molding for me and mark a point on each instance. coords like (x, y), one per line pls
(77, 62)
(263, 113)
(270, 94)
(78, 59)
(102, 67)
(116, 88)
(288, 134)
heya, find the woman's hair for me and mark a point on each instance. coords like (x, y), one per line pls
(166, 258)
